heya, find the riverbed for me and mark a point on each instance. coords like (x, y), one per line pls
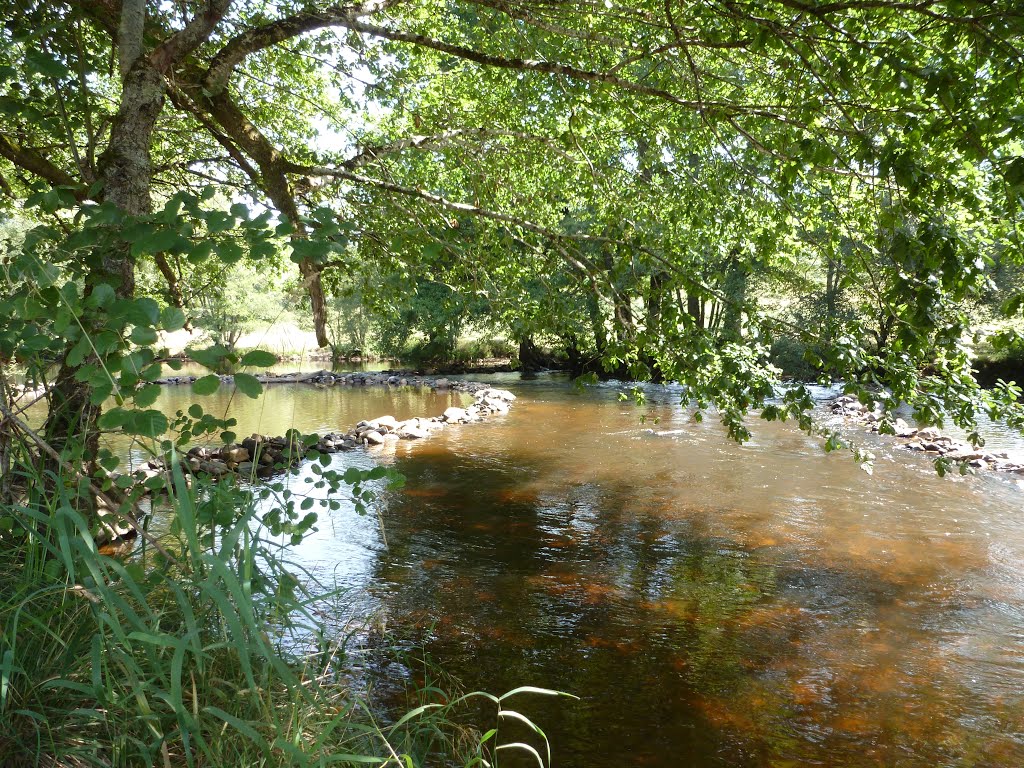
(710, 603)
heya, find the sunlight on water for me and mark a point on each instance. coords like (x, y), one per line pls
(711, 604)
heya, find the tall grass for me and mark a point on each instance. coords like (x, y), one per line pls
(208, 655)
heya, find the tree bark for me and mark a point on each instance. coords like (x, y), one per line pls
(125, 172)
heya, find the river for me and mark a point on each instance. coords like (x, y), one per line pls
(711, 604)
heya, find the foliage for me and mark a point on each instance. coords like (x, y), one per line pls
(241, 299)
(206, 651)
(636, 182)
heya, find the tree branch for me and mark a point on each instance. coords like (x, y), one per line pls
(129, 34)
(253, 40)
(29, 160)
(372, 154)
(183, 42)
(554, 68)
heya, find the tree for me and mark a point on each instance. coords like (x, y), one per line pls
(629, 142)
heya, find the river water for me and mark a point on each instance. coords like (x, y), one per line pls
(710, 604)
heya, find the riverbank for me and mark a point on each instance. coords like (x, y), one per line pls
(928, 440)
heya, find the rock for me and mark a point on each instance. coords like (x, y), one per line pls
(390, 423)
(442, 384)
(456, 414)
(929, 433)
(914, 446)
(234, 453)
(214, 467)
(245, 469)
(412, 432)
(496, 406)
(496, 394)
(903, 429)
(373, 437)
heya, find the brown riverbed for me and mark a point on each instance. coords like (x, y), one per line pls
(710, 604)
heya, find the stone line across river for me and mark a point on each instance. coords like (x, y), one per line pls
(929, 439)
(263, 456)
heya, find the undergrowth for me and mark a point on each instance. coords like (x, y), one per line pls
(207, 653)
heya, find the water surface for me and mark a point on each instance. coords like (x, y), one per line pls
(710, 604)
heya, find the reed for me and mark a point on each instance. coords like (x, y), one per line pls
(209, 654)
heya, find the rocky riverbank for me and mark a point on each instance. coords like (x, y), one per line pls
(262, 456)
(324, 378)
(928, 440)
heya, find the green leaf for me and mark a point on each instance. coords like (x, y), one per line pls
(160, 241)
(195, 411)
(258, 358)
(1015, 172)
(101, 295)
(115, 418)
(210, 357)
(206, 385)
(149, 423)
(44, 63)
(143, 336)
(146, 396)
(248, 385)
(230, 252)
(172, 319)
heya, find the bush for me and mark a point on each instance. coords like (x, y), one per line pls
(791, 357)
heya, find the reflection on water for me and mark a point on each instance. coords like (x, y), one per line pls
(711, 604)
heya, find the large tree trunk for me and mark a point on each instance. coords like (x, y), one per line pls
(695, 309)
(125, 173)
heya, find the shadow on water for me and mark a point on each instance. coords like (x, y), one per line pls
(711, 604)
(686, 648)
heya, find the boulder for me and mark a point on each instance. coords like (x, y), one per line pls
(496, 394)
(496, 406)
(442, 384)
(929, 433)
(903, 429)
(372, 437)
(456, 414)
(214, 467)
(234, 453)
(412, 432)
(390, 423)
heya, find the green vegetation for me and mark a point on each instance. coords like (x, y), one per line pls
(686, 192)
